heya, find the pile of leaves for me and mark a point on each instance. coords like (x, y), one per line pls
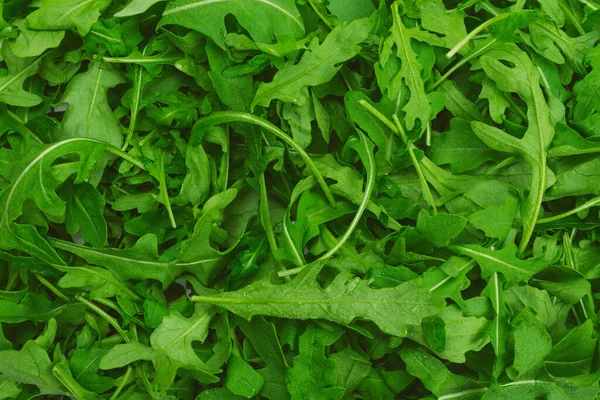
(309, 199)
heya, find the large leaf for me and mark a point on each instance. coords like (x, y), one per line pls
(88, 114)
(342, 301)
(263, 19)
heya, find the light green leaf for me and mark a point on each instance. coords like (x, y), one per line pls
(32, 43)
(67, 14)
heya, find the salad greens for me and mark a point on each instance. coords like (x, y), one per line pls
(299, 199)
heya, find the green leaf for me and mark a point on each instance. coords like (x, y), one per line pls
(31, 170)
(451, 335)
(17, 72)
(344, 299)
(32, 43)
(263, 20)
(521, 78)
(532, 342)
(440, 229)
(503, 261)
(30, 365)
(435, 376)
(8, 389)
(409, 75)
(67, 14)
(312, 375)
(176, 334)
(137, 262)
(88, 113)
(449, 23)
(85, 364)
(350, 10)
(317, 66)
(136, 7)
(460, 148)
(62, 372)
(85, 214)
(495, 221)
(574, 353)
(101, 282)
(242, 379)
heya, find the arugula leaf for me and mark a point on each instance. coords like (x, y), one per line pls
(523, 79)
(88, 114)
(317, 66)
(263, 20)
(67, 14)
(30, 365)
(343, 300)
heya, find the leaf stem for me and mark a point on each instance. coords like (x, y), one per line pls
(125, 156)
(463, 61)
(584, 206)
(371, 174)
(474, 33)
(135, 103)
(119, 388)
(219, 117)
(569, 14)
(163, 191)
(51, 287)
(538, 187)
(320, 14)
(591, 5)
(104, 315)
(265, 215)
(379, 116)
(424, 185)
(117, 308)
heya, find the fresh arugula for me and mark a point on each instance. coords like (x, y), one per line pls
(299, 199)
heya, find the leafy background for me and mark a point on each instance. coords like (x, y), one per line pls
(303, 199)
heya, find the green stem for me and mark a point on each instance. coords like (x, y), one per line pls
(148, 60)
(571, 262)
(371, 175)
(125, 157)
(148, 137)
(379, 116)
(163, 191)
(591, 5)
(104, 315)
(584, 206)
(537, 192)
(220, 117)
(516, 108)
(115, 306)
(569, 14)
(320, 14)
(117, 391)
(463, 61)
(137, 89)
(475, 32)
(411, 151)
(265, 214)
(52, 288)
